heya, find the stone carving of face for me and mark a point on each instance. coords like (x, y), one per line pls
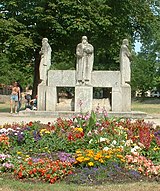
(84, 39)
(44, 40)
(125, 42)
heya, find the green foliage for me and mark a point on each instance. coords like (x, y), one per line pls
(143, 72)
(106, 22)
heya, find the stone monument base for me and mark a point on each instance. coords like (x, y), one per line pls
(69, 114)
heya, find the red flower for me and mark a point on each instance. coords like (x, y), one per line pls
(30, 162)
(30, 123)
(70, 137)
(20, 174)
(30, 172)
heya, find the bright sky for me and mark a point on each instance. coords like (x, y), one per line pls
(137, 46)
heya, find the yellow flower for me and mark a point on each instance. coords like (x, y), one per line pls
(79, 155)
(90, 152)
(47, 132)
(89, 155)
(107, 156)
(122, 160)
(101, 160)
(90, 164)
(96, 158)
(42, 130)
(80, 159)
(120, 156)
(78, 151)
(156, 148)
(19, 153)
(86, 159)
(79, 129)
(27, 156)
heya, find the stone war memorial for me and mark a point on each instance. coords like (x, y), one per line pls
(84, 80)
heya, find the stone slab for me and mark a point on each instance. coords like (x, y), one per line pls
(61, 78)
(68, 114)
(105, 78)
(67, 78)
(83, 98)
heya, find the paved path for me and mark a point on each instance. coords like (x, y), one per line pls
(14, 118)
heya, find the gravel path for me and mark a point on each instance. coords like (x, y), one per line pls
(14, 118)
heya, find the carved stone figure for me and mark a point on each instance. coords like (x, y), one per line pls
(125, 57)
(84, 65)
(45, 62)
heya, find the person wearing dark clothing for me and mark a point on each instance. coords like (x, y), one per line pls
(19, 98)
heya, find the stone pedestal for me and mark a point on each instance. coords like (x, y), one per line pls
(41, 103)
(51, 98)
(116, 99)
(83, 98)
(126, 98)
(47, 95)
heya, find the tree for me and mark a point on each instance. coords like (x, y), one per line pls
(143, 72)
(104, 22)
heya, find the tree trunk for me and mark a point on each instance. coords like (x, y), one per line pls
(36, 79)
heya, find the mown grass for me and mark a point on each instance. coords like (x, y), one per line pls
(4, 107)
(14, 185)
(149, 106)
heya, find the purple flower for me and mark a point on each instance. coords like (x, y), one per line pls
(66, 157)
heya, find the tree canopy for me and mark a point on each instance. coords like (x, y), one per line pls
(106, 23)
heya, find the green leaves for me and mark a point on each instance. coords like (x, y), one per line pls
(23, 24)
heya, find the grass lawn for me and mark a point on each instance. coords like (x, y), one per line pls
(150, 106)
(13, 185)
(4, 107)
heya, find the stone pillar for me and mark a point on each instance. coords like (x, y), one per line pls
(83, 98)
(126, 97)
(116, 99)
(51, 98)
(41, 103)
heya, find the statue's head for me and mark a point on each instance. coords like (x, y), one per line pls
(44, 40)
(84, 39)
(125, 42)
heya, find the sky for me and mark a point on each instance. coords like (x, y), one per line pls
(137, 46)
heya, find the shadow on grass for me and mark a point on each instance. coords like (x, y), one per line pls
(146, 100)
(4, 107)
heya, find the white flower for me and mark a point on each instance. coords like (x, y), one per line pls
(106, 148)
(89, 133)
(135, 149)
(103, 139)
(128, 143)
(114, 142)
(3, 130)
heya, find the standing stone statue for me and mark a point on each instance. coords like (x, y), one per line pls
(45, 62)
(125, 57)
(84, 65)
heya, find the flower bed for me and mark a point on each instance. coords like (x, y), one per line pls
(50, 152)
